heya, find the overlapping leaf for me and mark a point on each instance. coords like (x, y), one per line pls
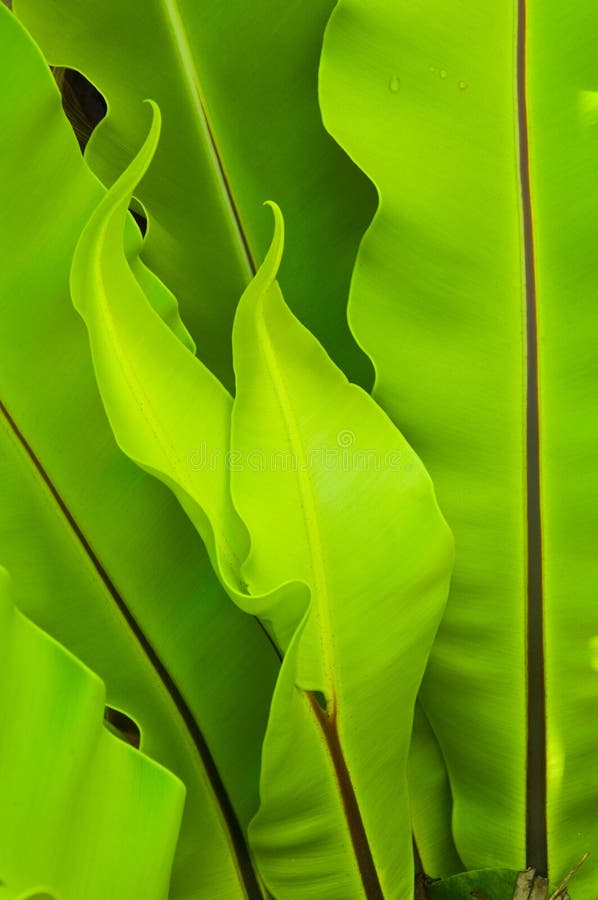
(237, 86)
(82, 813)
(474, 294)
(102, 557)
(431, 800)
(335, 502)
(364, 535)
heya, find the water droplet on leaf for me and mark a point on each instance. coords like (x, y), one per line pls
(443, 73)
(394, 85)
(463, 85)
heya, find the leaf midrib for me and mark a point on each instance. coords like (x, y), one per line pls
(192, 82)
(536, 780)
(320, 593)
(164, 679)
(326, 719)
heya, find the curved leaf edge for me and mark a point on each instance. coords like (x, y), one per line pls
(295, 594)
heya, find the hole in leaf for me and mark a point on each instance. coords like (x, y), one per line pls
(82, 102)
(123, 726)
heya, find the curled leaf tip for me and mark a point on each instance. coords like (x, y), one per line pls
(141, 162)
(155, 108)
(116, 200)
(156, 123)
(278, 220)
(273, 257)
(274, 207)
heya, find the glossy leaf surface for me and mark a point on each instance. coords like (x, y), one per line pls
(358, 592)
(101, 555)
(82, 813)
(237, 87)
(474, 294)
(366, 538)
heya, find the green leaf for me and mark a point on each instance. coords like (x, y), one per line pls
(82, 812)
(237, 87)
(103, 558)
(430, 801)
(349, 556)
(178, 438)
(489, 884)
(181, 436)
(475, 295)
(361, 529)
